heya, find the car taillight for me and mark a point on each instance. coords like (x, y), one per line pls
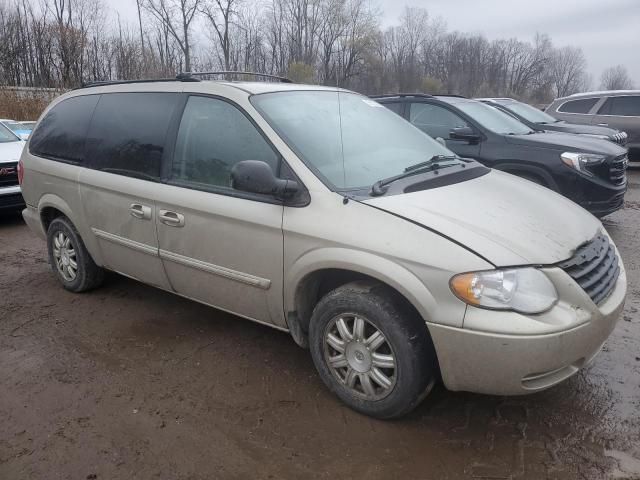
(20, 172)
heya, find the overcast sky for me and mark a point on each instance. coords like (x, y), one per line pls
(607, 30)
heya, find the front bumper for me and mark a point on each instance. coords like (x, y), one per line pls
(514, 364)
(603, 208)
(11, 198)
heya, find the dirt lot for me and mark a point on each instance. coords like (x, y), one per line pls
(132, 382)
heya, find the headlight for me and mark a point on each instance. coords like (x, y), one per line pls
(524, 290)
(581, 161)
(595, 135)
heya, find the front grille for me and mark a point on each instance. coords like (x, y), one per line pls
(595, 268)
(619, 138)
(8, 174)
(618, 170)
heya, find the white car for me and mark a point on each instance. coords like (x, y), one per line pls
(11, 147)
(19, 128)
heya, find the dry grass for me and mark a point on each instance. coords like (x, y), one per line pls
(22, 105)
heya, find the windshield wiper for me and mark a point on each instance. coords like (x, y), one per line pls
(378, 188)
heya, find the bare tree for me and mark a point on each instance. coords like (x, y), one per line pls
(176, 16)
(221, 15)
(616, 78)
(567, 71)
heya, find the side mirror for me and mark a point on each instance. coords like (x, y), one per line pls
(255, 176)
(464, 133)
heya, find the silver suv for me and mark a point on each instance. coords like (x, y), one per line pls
(321, 213)
(619, 109)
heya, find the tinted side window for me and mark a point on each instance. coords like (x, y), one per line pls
(128, 133)
(578, 106)
(394, 107)
(627, 106)
(62, 132)
(434, 120)
(214, 136)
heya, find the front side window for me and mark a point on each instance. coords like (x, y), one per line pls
(624, 106)
(394, 107)
(578, 106)
(350, 141)
(435, 120)
(493, 119)
(128, 133)
(214, 136)
(61, 134)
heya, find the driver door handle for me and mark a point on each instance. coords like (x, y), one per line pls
(142, 212)
(171, 219)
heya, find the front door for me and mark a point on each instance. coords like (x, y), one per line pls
(218, 245)
(437, 122)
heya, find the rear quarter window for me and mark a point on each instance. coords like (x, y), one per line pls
(624, 106)
(578, 106)
(128, 133)
(62, 132)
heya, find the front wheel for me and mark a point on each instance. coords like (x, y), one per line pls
(372, 350)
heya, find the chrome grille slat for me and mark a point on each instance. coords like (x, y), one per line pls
(594, 267)
(618, 170)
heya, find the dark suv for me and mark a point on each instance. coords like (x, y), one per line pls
(589, 171)
(541, 121)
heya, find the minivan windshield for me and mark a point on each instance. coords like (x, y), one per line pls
(348, 140)
(7, 135)
(493, 119)
(532, 114)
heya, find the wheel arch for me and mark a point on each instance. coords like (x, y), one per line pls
(312, 276)
(52, 206)
(515, 168)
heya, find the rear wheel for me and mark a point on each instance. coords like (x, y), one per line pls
(69, 258)
(372, 350)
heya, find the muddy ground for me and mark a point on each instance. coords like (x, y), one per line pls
(131, 382)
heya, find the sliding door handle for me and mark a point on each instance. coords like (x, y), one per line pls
(171, 219)
(142, 212)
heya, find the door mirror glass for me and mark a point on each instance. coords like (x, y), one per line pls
(464, 133)
(254, 176)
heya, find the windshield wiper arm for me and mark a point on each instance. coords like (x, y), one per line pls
(428, 163)
(378, 188)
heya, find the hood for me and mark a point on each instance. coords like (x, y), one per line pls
(11, 151)
(567, 142)
(507, 220)
(576, 128)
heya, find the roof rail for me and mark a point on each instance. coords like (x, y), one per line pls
(100, 83)
(450, 95)
(401, 95)
(190, 76)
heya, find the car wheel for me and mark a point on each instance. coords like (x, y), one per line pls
(69, 258)
(372, 350)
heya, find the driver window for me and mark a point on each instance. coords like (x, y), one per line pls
(214, 136)
(434, 120)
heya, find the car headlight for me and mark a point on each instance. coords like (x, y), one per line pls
(595, 135)
(582, 161)
(524, 290)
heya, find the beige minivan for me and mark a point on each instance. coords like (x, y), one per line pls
(321, 213)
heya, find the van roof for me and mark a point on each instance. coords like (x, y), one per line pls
(186, 86)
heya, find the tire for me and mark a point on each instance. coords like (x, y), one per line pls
(66, 248)
(405, 339)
